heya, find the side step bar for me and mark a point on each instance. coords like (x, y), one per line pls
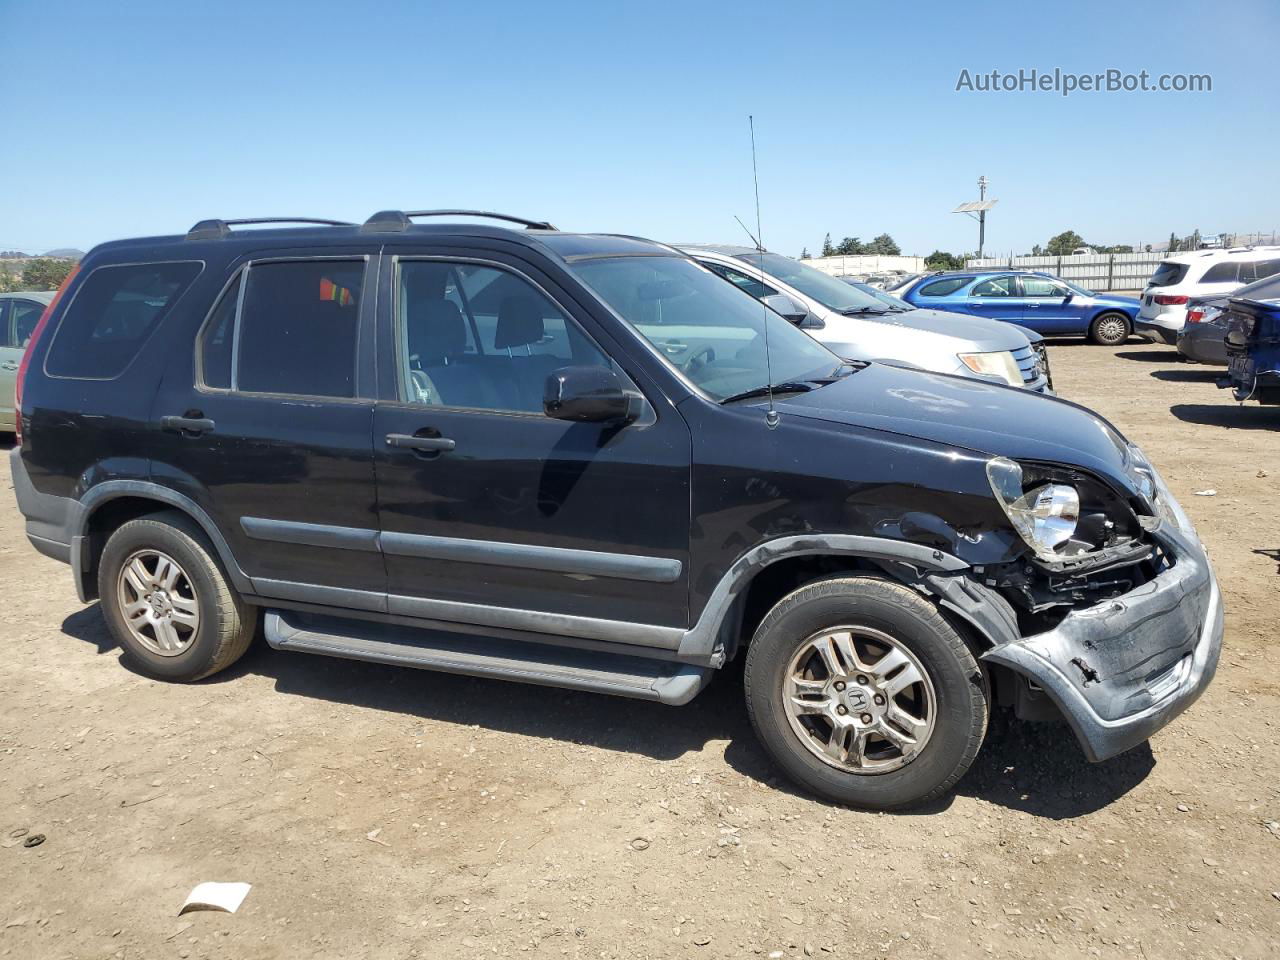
(552, 666)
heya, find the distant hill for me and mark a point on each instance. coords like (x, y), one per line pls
(66, 253)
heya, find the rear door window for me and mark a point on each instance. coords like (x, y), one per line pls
(1226, 272)
(111, 316)
(940, 288)
(297, 328)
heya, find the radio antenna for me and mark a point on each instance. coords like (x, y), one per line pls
(754, 242)
(771, 417)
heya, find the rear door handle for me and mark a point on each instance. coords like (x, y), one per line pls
(430, 444)
(8, 365)
(187, 425)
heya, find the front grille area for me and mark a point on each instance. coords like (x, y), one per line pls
(1025, 358)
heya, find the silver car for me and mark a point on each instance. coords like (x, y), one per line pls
(859, 326)
(19, 314)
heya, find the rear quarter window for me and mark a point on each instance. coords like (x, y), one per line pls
(940, 288)
(111, 316)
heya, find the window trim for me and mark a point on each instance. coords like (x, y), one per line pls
(242, 270)
(142, 344)
(401, 356)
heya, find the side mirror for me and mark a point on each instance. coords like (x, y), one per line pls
(1068, 296)
(784, 305)
(589, 395)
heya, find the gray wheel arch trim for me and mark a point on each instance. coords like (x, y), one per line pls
(701, 641)
(109, 490)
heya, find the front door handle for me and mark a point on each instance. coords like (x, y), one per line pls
(188, 426)
(8, 365)
(429, 444)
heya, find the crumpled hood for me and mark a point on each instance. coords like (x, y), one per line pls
(987, 335)
(958, 411)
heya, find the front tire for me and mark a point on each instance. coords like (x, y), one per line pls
(863, 694)
(1109, 329)
(167, 600)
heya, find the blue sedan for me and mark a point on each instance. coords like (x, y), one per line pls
(1045, 303)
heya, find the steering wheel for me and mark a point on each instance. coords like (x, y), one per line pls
(699, 360)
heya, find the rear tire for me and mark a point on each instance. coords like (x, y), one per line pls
(168, 602)
(1109, 329)
(911, 746)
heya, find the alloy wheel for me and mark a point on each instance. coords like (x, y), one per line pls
(859, 700)
(158, 603)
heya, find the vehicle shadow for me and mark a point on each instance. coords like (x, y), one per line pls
(1197, 374)
(1150, 356)
(1229, 414)
(1270, 554)
(1034, 768)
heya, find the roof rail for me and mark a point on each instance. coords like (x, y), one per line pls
(397, 221)
(217, 229)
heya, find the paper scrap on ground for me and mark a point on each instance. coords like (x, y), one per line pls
(216, 896)
(1206, 493)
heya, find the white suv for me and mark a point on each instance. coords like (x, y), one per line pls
(1199, 274)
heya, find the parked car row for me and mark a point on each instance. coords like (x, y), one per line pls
(1204, 273)
(858, 325)
(1039, 301)
(598, 462)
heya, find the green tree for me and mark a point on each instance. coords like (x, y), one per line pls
(941, 260)
(827, 249)
(804, 254)
(45, 274)
(1064, 243)
(884, 245)
(1173, 243)
(850, 247)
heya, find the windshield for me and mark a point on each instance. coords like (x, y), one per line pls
(832, 292)
(708, 329)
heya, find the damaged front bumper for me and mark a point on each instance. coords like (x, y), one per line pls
(1122, 669)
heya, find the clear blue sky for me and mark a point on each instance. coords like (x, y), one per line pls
(142, 116)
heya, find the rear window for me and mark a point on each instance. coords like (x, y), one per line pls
(111, 316)
(940, 288)
(1167, 274)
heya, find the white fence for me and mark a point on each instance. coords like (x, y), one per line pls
(864, 263)
(1095, 271)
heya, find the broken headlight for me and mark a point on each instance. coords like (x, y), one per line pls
(1045, 515)
(1061, 512)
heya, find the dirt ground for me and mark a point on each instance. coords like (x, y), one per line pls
(382, 812)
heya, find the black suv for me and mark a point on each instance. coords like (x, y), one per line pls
(552, 457)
